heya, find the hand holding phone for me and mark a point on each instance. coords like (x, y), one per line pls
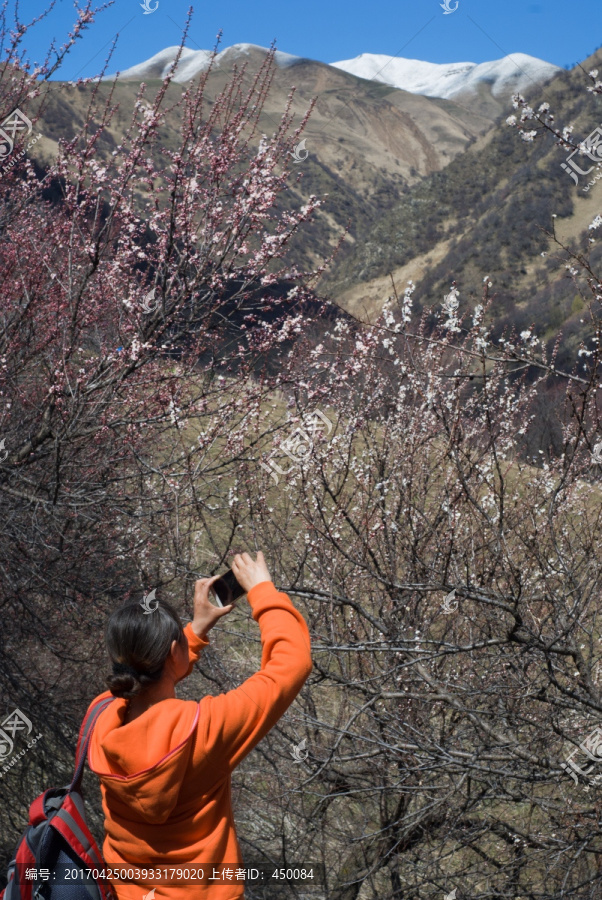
(206, 614)
(249, 572)
(226, 589)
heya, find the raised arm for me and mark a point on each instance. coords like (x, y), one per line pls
(239, 719)
(205, 617)
(233, 723)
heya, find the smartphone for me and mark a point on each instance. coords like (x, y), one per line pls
(226, 589)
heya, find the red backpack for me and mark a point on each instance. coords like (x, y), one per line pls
(57, 848)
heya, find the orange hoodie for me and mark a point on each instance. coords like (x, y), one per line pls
(165, 777)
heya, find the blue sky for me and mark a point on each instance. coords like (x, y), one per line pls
(329, 30)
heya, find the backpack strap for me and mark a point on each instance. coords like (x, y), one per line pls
(84, 740)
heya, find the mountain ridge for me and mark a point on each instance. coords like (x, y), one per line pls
(512, 73)
(515, 72)
(194, 62)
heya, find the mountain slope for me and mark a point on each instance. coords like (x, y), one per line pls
(401, 134)
(366, 142)
(429, 188)
(489, 85)
(486, 214)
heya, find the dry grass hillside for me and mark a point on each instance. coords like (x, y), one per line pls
(492, 211)
(429, 189)
(366, 142)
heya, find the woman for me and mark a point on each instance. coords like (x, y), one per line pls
(165, 764)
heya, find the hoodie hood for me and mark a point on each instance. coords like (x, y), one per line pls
(142, 764)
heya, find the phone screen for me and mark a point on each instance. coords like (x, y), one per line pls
(226, 589)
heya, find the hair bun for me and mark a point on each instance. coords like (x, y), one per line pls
(124, 684)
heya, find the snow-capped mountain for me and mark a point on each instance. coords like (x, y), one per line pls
(516, 72)
(193, 62)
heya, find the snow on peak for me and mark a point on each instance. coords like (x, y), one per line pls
(513, 73)
(193, 62)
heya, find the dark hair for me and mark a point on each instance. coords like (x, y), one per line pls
(139, 644)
